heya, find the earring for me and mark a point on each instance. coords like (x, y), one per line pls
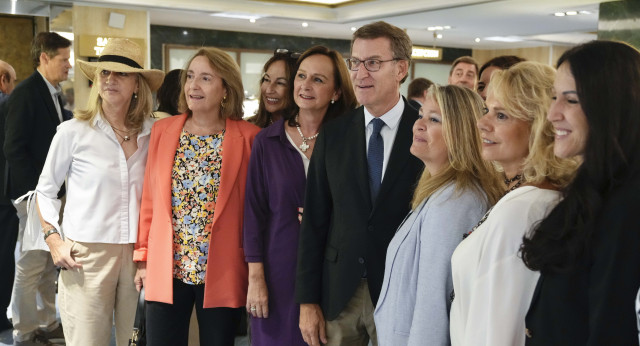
(135, 96)
(333, 101)
(224, 98)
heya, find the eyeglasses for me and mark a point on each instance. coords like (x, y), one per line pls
(286, 52)
(372, 65)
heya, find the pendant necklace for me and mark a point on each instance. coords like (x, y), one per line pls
(304, 146)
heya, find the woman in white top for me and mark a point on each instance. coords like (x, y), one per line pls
(455, 190)
(102, 154)
(492, 286)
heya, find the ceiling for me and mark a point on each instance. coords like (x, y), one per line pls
(523, 23)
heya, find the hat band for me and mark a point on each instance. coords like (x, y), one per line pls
(120, 59)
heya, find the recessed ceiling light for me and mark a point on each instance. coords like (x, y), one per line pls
(559, 14)
(477, 39)
(438, 28)
(353, 28)
(572, 13)
(252, 20)
(439, 36)
(305, 24)
(584, 12)
(185, 32)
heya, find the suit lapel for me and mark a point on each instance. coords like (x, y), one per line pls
(47, 98)
(232, 156)
(169, 141)
(399, 152)
(359, 145)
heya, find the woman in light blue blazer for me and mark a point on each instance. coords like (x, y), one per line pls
(455, 190)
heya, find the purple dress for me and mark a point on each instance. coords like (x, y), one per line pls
(275, 190)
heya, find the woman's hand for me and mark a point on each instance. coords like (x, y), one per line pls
(141, 276)
(257, 295)
(61, 252)
(312, 325)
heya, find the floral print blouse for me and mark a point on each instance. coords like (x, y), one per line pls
(195, 184)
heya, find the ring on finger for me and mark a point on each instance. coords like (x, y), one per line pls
(253, 308)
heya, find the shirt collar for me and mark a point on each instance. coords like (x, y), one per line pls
(390, 118)
(101, 123)
(54, 90)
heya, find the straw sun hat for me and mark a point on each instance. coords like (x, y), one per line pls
(122, 55)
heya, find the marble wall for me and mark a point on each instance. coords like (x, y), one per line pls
(620, 21)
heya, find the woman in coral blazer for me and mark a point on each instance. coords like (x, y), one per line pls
(189, 248)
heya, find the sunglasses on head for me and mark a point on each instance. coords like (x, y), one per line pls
(286, 52)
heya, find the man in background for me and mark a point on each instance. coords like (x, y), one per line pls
(8, 217)
(33, 112)
(464, 72)
(417, 92)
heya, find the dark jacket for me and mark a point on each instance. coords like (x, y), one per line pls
(343, 232)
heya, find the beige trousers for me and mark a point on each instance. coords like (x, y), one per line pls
(355, 325)
(92, 296)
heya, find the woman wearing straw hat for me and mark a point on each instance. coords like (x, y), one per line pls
(102, 154)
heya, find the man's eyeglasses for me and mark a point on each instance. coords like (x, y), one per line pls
(286, 52)
(372, 65)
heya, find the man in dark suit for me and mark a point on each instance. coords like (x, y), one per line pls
(359, 187)
(417, 92)
(8, 218)
(33, 112)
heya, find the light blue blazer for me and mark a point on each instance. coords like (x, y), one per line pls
(414, 303)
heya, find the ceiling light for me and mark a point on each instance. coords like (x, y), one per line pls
(477, 39)
(236, 15)
(305, 24)
(559, 14)
(447, 27)
(185, 32)
(439, 36)
(503, 39)
(438, 28)
(572, 13)
(252, 20)
(353, 28)
(584, 12)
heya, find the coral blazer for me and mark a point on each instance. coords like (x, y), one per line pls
(227, 274)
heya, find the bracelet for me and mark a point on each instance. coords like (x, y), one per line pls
(50, 232)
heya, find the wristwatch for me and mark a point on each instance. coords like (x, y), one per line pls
(50, 232)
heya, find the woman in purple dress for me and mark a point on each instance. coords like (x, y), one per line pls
(275, 192)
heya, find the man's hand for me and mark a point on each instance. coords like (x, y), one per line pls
(312, 325)
(61, 252)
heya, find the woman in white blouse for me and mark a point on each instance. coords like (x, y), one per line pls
(492, 286)
(102, 154)
(455, 190)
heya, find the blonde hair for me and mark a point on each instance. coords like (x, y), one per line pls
(460, 108)
(525, 92)
(227, 69)
(139, 108)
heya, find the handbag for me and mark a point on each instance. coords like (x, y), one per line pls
(139, 337)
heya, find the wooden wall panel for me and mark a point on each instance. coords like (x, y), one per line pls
(16, 34)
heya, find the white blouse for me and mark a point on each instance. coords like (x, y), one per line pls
(103, 187)
(493, 288)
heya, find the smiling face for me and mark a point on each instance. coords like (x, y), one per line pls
(116, 88)
(485, 77)
(566, 116)
(428, 143)
(275, 87)
(505, 138)
(314, 85)
(464, 74)
(203, 88)
(378, 91)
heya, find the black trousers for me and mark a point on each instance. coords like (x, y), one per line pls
(8, 238)
(168, 324)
